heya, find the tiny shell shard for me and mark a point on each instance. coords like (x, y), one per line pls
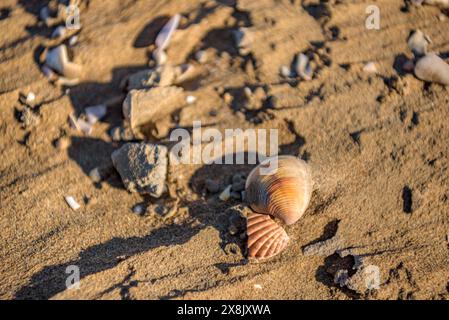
(265, 237)
(164, 36)
(58, 60)
(432, 68)
(418, 43)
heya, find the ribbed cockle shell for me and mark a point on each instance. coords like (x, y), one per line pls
(265, 237)
(285, 193)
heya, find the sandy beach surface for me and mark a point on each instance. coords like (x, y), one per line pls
(377, 143)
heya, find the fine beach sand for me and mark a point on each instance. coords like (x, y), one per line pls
(377, 145)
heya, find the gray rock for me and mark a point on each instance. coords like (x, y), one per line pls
(323, 248)
(142, 167)
(213, 186)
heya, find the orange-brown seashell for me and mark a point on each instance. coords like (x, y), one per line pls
(265, 237)
(284, 194)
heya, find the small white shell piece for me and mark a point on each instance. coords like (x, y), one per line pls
(164, 36)
(370, 67)
(72, 202)
(303, 67)
(58, 60)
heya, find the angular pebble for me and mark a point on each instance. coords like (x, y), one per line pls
(142, 167)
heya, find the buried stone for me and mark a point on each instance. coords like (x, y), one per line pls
(142, 167)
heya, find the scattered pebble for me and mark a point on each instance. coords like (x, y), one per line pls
(370, 67)
(190, 99)
(73, 41)
(139, 209)
(258, 287)
(418, 43)
(95, 175)
(212, 186)
(29, 118)
(227, 97)
(285, 71)
(72, 202)
(27, 99)
(201, 56)
(431, 68)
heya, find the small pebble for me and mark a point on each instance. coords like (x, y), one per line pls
(62, 143)
(285, 71)
(238, 186)
(29, 118)
(258, 286)
(115, 134)
(30, 98)
(190, 99)
(232, 230)
(73, 40)
(370, 67)
(227, 97)
(201, 56)
(213, 186)
(138, 209)
(247, 91)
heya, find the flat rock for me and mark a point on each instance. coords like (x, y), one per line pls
(146, 107)
(142, 167)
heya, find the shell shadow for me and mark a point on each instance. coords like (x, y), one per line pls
(51, 279)
(147, 36)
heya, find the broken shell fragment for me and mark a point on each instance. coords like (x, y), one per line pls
(164, 36)
(418, 43)
(284, 193)
(432, 68)
(72, 203)
(225, 195)
(57, 59)
(303, 67)
(80, 125)
(265, 237)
